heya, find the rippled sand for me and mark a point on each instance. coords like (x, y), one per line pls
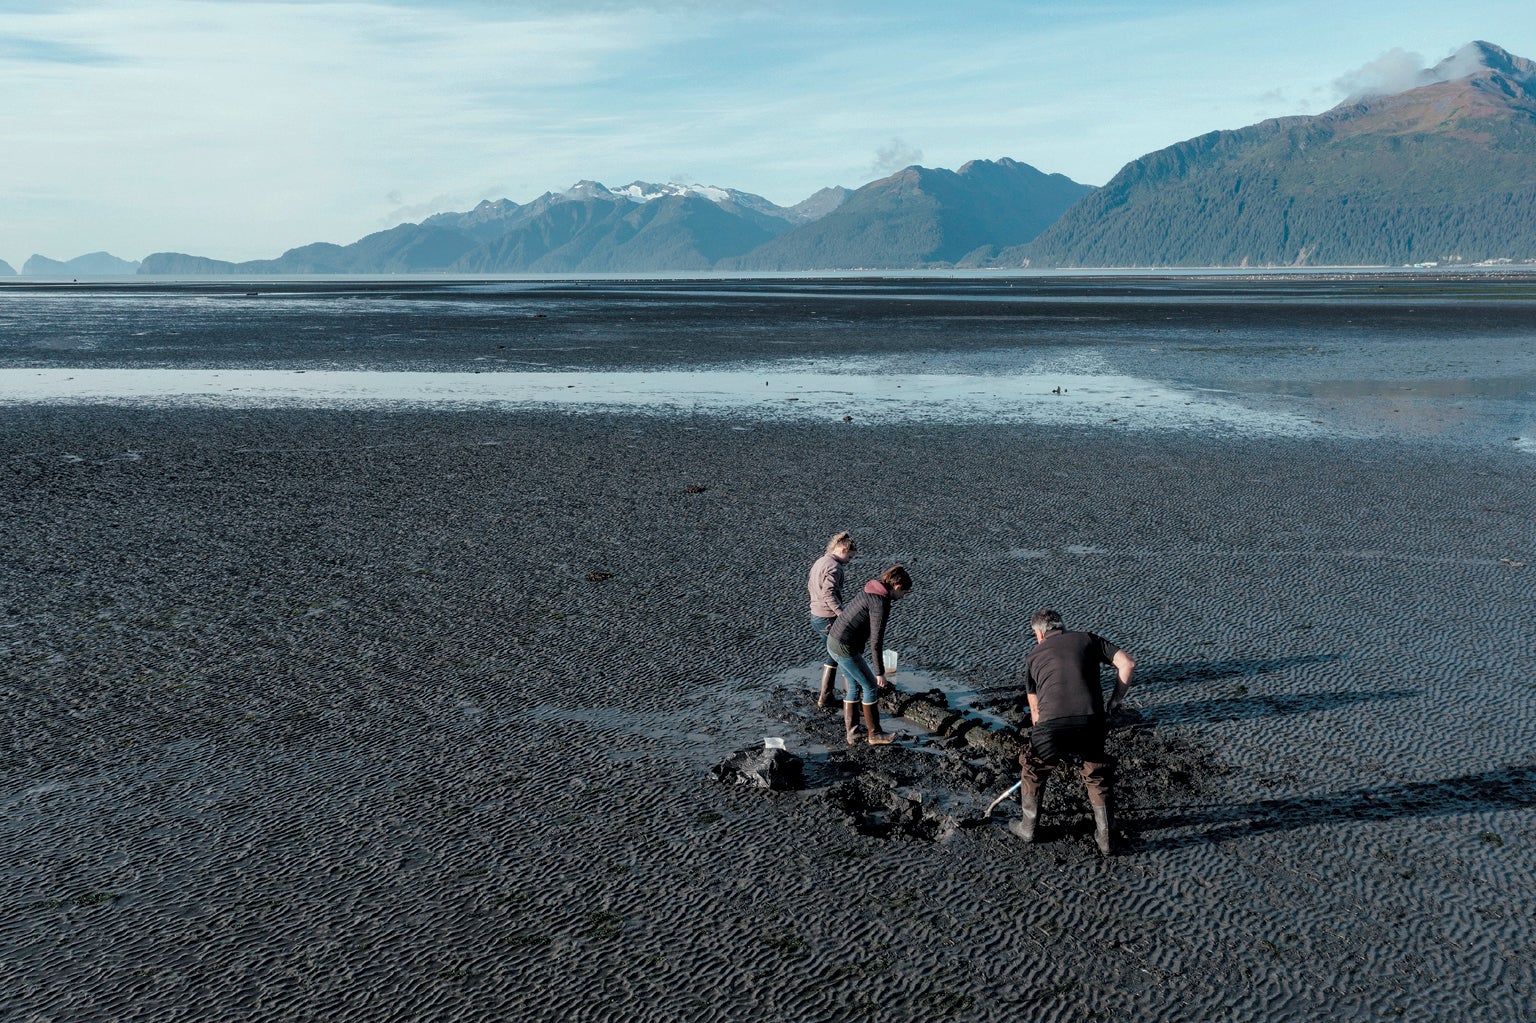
(318, 714)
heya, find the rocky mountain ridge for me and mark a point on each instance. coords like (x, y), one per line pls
(1442, 172)
(917, 217)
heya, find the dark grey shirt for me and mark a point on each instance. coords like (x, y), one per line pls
(1062, 671)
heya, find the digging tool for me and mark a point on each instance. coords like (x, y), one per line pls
(994, 804)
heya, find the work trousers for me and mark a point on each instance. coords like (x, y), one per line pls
(1052, 741)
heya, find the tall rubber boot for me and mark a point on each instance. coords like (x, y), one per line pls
(1029, 811)
(851, 721)
(872, 723)
(1103, 821)
(1099, 778)
(828, 674)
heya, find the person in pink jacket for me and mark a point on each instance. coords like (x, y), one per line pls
(825, 586)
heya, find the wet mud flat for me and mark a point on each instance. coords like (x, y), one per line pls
(1282, 326)
(407, 715)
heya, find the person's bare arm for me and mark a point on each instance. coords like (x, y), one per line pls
(1125, 666)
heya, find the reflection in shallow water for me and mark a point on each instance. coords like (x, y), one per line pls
(1418, 356)
(1479, 410)
(1062, 398)
(1486, 387)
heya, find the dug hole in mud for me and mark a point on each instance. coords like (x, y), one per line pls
(956, 752)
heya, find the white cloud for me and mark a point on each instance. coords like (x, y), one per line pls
(895, 156)
(1398, 71)
(246, 114)
(1394, 71)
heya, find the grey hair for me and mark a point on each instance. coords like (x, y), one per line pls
(1046, 621)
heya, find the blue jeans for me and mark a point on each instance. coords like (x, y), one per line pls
(861, 681)
(821, 625)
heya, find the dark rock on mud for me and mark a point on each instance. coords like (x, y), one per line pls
(761, 768)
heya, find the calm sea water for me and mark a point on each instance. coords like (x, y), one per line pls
(1447, 358)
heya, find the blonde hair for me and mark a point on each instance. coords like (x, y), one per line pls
(841, 539)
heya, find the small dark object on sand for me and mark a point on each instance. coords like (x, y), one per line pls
(847, 419)
(761, 768)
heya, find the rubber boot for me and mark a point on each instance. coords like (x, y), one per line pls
(851, 721)
(872, 723)
(1029, 810)
(828, 674)
(1099, 778)
(1102, 822)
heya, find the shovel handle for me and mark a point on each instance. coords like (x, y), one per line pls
(993, 805)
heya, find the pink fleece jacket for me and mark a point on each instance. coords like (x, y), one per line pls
(825, 586)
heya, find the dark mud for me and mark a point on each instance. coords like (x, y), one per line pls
(1285, 327)
(945, 777)
(369, 715)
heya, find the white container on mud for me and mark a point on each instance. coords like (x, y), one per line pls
(890, 657)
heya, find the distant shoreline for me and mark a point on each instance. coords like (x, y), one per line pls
(295, 281)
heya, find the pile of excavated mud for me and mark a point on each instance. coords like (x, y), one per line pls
(950, 764)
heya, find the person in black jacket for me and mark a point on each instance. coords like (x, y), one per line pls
(863, 623)
(1068, 718)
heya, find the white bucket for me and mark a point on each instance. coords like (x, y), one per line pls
(890, 662)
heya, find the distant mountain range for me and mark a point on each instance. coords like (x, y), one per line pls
(587, 228)
(924, 218)
(1444, 172)
(915, 218)
(102, 264)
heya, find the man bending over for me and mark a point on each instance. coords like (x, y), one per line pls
(1068, 718)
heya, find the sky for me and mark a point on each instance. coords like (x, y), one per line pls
(238, 129)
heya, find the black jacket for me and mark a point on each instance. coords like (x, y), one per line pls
(863, 621)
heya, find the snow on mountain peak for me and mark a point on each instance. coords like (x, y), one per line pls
(649, 191)
(587, 190)
(645, 191)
